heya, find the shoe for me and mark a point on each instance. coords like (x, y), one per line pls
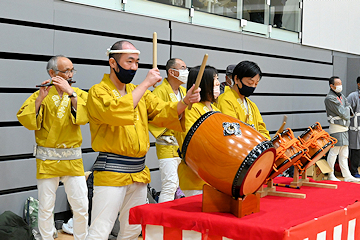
(332, 177)
(351, 179)
(68, 227)
(356, 175)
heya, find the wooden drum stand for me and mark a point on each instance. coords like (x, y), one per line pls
(216, 201)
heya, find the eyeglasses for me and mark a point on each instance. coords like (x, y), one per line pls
(180, 69)
(73, 71)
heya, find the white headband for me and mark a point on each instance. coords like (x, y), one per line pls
(108, 51)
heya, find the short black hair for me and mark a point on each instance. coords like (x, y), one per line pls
(358, 80)
(170, 64)
(206, 84)
(118, 46)
(332, 80)
(246, 69)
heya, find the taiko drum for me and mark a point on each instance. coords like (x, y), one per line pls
(228, 154)
(318, 142)
(288, 150)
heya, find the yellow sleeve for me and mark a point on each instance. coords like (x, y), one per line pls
(262, 127)
(154, 130)
(104, 108)
(162, 114)
(227, 107)
(81, 112)
(27, 115)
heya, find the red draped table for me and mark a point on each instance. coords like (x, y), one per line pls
(324, 214)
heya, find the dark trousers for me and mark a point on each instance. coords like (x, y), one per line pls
(354, 156)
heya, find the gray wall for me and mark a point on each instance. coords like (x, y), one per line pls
(294, 82)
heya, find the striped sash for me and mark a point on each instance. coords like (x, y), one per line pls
(117, 163)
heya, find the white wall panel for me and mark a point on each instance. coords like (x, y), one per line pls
(20, 39)
(220, 60)
(151, 158)
(17, 173)
(11, 104)
(24, 74)
(156, 180)
(16, 140)
(30, 10)
(85, 132)
(295, 103)
(294, 121)
(287, 85)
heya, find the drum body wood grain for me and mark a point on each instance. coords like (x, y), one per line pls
(228, 154)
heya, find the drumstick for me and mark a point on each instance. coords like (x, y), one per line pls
(154, 52)
(282, 125)
(199, 76)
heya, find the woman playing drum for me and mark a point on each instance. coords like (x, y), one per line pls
(190, 183)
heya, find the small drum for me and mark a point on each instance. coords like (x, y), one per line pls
(318, 142)
(288, 151)
(228, 154)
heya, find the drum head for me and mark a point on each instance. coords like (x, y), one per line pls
(254, 170)
(258, 173)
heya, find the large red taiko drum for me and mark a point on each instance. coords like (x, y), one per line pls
(228, 154)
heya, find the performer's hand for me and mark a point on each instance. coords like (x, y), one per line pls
(62, 84)
(44, 91)
(153, 77)
(192, 97)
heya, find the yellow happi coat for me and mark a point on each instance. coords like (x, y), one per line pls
(56, 127)
(231, 104)
(117, 127)
(188, 179)
(166, 93)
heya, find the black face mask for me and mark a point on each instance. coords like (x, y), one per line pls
(245, 90)
(124, 76)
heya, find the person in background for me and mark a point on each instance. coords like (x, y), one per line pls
(354, 131)
(190, 183)
(224, 86)
(338, 115)
(167, 148)
(56, 113)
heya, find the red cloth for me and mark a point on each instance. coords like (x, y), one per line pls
(277, 214)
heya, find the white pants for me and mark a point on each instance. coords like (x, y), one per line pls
(343, 152)
(169, 178)
(107, 203)
(77, 195)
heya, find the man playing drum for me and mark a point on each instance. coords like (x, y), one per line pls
(166, 144)
(119, 113)
(236, 103)
(338, 115)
